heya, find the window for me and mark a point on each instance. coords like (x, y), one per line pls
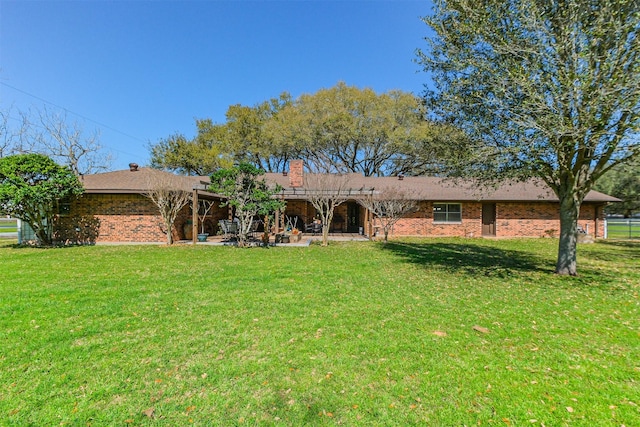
(447, 212)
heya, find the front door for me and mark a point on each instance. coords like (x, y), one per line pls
(353, 217)
(488, 219)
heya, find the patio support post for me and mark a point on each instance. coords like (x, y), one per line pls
(194, 216)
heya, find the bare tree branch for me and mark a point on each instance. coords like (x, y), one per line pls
(326, 191)
(52, 134)
(389, 205)
(166, 193)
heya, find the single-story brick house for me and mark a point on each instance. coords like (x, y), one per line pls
(114, 208)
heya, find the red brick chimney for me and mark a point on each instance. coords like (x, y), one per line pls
(296, 173)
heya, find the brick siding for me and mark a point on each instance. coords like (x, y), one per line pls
(512, 220)
(134, 218)
(126, 218)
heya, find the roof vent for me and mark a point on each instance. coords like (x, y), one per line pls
(133, 167)
(400, 177)
(285, 173)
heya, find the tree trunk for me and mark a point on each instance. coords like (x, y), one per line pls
(567, 246)
(325, 235)
(169, 225)
(43, 236)
(327, 218)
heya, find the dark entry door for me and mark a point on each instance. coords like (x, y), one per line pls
(488, 219)
(353, 217)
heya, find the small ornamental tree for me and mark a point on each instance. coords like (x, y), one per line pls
(389, 206)
(205, 207)
(31, 187)
(166, 192)
(248, 194)
(326, 191)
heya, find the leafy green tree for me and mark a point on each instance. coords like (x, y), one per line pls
(247, 193)
(623, 182)
(248, 135)
(199, 156)
(31, 187)
(358, 130)
(354, 130)
(545, 88)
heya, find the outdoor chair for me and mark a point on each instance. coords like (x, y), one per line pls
(314, 228)
(229, 228)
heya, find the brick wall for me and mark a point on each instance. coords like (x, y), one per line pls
(134, 218)
(421, 223)
(543, 219)
(512, 220)
(128, 218)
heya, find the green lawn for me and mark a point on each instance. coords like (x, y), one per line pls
(352, 334)
(621, 230)
(8, 226)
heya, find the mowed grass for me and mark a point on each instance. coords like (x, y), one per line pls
(622, 230)
(351, 334)
(8, 226)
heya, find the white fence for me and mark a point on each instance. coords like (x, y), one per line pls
(622, 228)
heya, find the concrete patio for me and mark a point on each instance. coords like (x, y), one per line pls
(305, 240)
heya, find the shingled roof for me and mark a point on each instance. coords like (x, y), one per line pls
(418, 188)
(445, 190)
(136, 180)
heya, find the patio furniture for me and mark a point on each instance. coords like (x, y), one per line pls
(253, 232)
(314, 228)
(229, 228)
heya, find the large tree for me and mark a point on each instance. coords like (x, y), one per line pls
(53, 134)
(623, 181)
(250, 138)
(545, 88)
(31, 188)
(358, 130)
(201, 155)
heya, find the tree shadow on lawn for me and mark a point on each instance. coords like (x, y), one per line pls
(478, 260)
(469, 258)
(621, 249)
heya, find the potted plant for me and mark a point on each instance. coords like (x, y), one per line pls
(296, 235)
(291, 232)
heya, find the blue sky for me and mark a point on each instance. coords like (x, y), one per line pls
(145, 70)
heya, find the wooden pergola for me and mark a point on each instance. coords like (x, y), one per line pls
(285, 194)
